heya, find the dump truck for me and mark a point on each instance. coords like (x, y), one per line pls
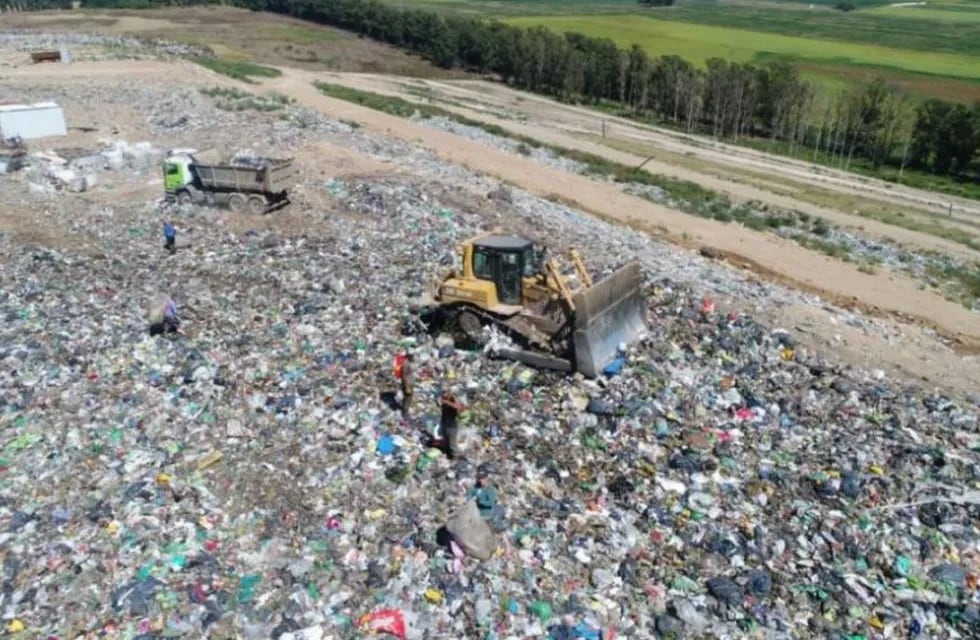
(254, 185)
(554, 319)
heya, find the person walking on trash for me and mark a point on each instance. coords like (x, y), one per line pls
(163, 317)
(484, 492)
(169, 237)
(446, 438)
(405, 370)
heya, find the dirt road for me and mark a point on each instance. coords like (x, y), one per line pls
(560, 133)
(776, 255)
(537, 109)
(896, 299)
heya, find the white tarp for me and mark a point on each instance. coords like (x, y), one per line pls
(28, 121)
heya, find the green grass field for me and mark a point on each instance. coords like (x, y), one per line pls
(923, 29)
(943, 12)
(927, 51)
(699, 42)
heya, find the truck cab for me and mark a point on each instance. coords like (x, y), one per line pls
(177, 175)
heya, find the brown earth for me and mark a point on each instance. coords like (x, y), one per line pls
(237, 34)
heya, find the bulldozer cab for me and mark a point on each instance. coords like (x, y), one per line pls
(505, 261)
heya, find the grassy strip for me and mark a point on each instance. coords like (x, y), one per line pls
(238, 70)
(899, 219)
(909, 177)
(237, 100)
(965, 282)
(402, 108)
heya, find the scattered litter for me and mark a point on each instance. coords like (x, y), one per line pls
(252, 476)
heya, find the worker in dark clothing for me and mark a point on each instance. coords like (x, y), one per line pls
(408, 384)
(169, 237)
(446, 439)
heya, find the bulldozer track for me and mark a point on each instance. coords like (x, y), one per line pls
(516, 328)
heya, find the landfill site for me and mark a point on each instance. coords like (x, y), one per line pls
(755, 461)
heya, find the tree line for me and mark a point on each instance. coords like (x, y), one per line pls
(724, 99)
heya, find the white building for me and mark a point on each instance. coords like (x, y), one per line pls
(28, 121)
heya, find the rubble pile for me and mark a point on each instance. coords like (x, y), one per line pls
(77, 170)
(88, 47)
(252, 477)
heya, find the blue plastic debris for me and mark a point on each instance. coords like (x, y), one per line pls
(386, 445)
(614, 368)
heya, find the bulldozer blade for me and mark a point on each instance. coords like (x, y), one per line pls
(607, 314)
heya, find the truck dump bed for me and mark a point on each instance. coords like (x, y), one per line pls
(272, 176)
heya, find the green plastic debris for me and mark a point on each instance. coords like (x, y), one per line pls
(145, 571)
(903, 565)
(541, 609)
(22, 442)
(684, 585)
(246, 587)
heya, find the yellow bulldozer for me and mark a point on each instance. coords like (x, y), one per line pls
(557, 320)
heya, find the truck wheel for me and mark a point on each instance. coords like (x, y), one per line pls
(237, 203)
(184, 198)
(256, 205)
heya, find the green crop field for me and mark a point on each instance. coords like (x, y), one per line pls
(953, 13)
(897, 27)
(927, 51)
(698, 42)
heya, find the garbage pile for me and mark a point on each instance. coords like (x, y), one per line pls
(252, 477)
(13, 152)
(246, 158)
(89, 47)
